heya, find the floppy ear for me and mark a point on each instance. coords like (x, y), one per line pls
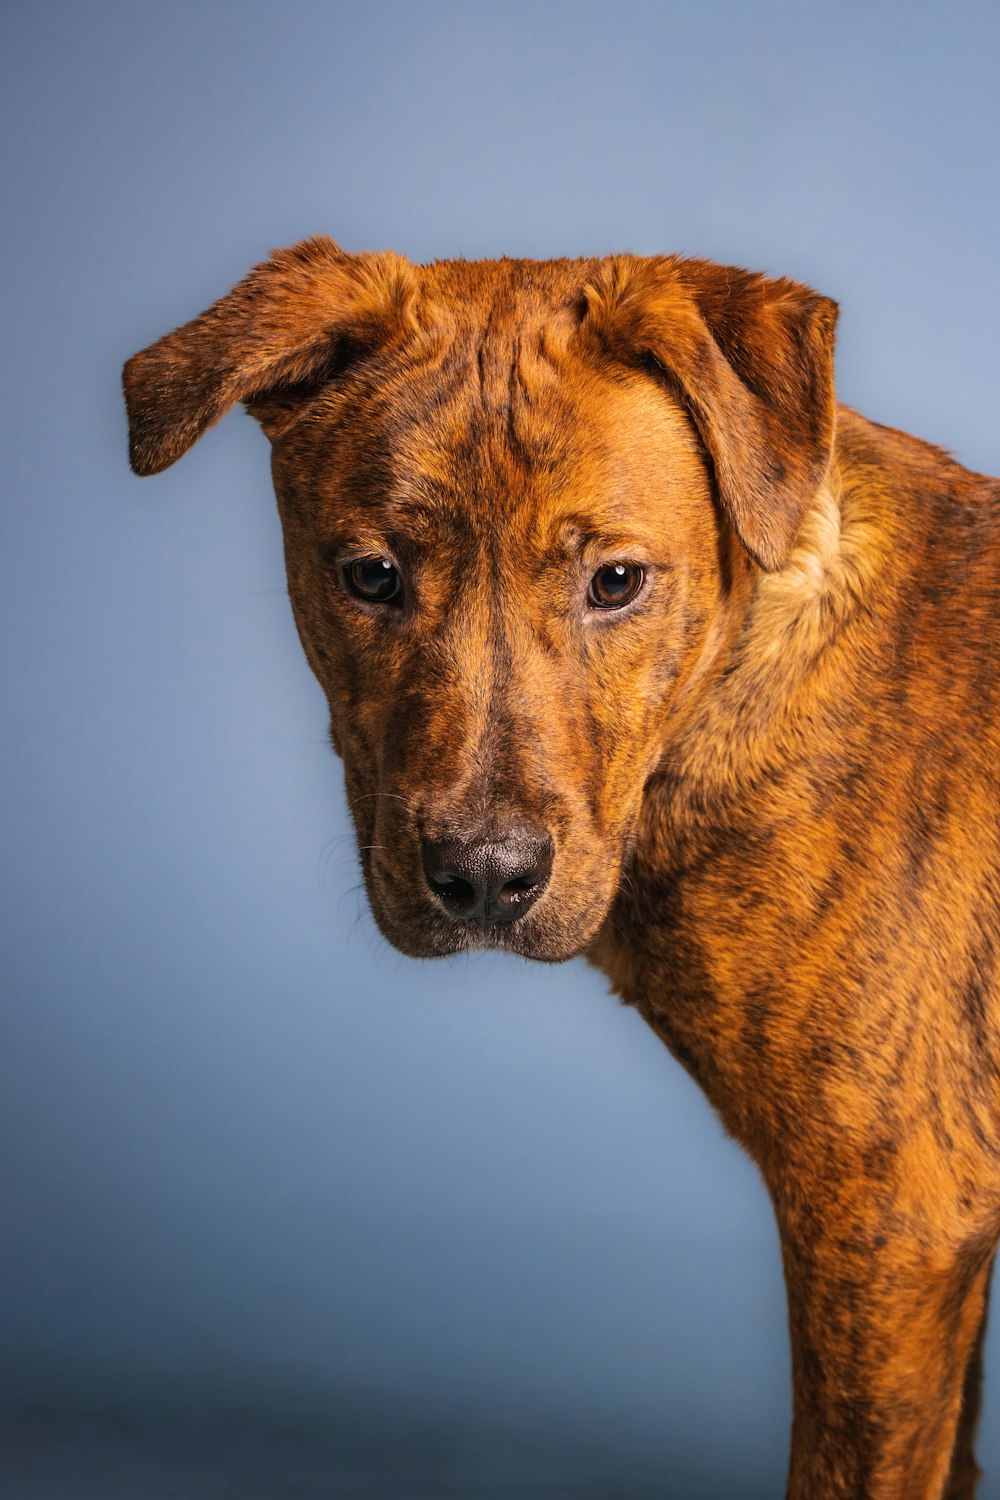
(752, 361)
(287, 326)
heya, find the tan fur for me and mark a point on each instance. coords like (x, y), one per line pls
(761, 794)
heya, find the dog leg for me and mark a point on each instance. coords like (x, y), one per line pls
(964, 1472)
(883, 1334)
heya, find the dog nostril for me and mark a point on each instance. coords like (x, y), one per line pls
(457, 894)
(518, 894)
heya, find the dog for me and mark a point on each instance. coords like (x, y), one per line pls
(638, 646)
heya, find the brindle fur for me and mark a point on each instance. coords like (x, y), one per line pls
(771, 784)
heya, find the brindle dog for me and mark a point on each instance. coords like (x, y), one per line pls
(638, 646)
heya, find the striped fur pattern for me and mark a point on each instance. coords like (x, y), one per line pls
(768, 782)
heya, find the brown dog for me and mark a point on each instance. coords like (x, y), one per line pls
(636, 645)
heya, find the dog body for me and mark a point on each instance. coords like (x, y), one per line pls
(637, 645)
(811, 924)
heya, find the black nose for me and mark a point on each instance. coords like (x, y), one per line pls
(488, 880)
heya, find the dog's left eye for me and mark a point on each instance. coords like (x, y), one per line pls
(615, 585)
(374, 579)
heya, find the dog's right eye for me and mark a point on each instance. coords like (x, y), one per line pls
(374, 579)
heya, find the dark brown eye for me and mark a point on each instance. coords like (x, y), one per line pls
(614, 585)
(374, 579)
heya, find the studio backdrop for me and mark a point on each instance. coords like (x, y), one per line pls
(285, 1213)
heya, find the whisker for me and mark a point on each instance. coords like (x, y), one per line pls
(392, 796)
(326, 853)
(352, 890)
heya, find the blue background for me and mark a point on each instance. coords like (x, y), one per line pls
(284, 1213)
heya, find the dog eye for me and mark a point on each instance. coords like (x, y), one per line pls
(614, 585)
(373, 579)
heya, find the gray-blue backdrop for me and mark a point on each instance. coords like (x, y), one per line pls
(284, 1213)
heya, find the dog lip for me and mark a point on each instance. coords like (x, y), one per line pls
(504, 937)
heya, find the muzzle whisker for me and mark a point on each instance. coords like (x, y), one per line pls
(327, 852)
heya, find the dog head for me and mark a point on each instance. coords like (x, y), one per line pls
(524, 504)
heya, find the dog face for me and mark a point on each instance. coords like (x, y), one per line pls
(502, 567)
(523, 505)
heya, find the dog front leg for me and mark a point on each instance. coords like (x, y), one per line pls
(964, 1472)
(883, 1332)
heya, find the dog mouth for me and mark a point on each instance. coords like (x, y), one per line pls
(427, 935)
(446, 913)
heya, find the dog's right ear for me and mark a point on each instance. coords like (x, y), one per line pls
(286, 327)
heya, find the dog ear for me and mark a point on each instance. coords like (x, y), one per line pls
(287, 326)
(752, 361)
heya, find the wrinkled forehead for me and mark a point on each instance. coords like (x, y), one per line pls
(498, 415)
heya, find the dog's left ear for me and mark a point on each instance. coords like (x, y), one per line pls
(752, 361)
(289, 326)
